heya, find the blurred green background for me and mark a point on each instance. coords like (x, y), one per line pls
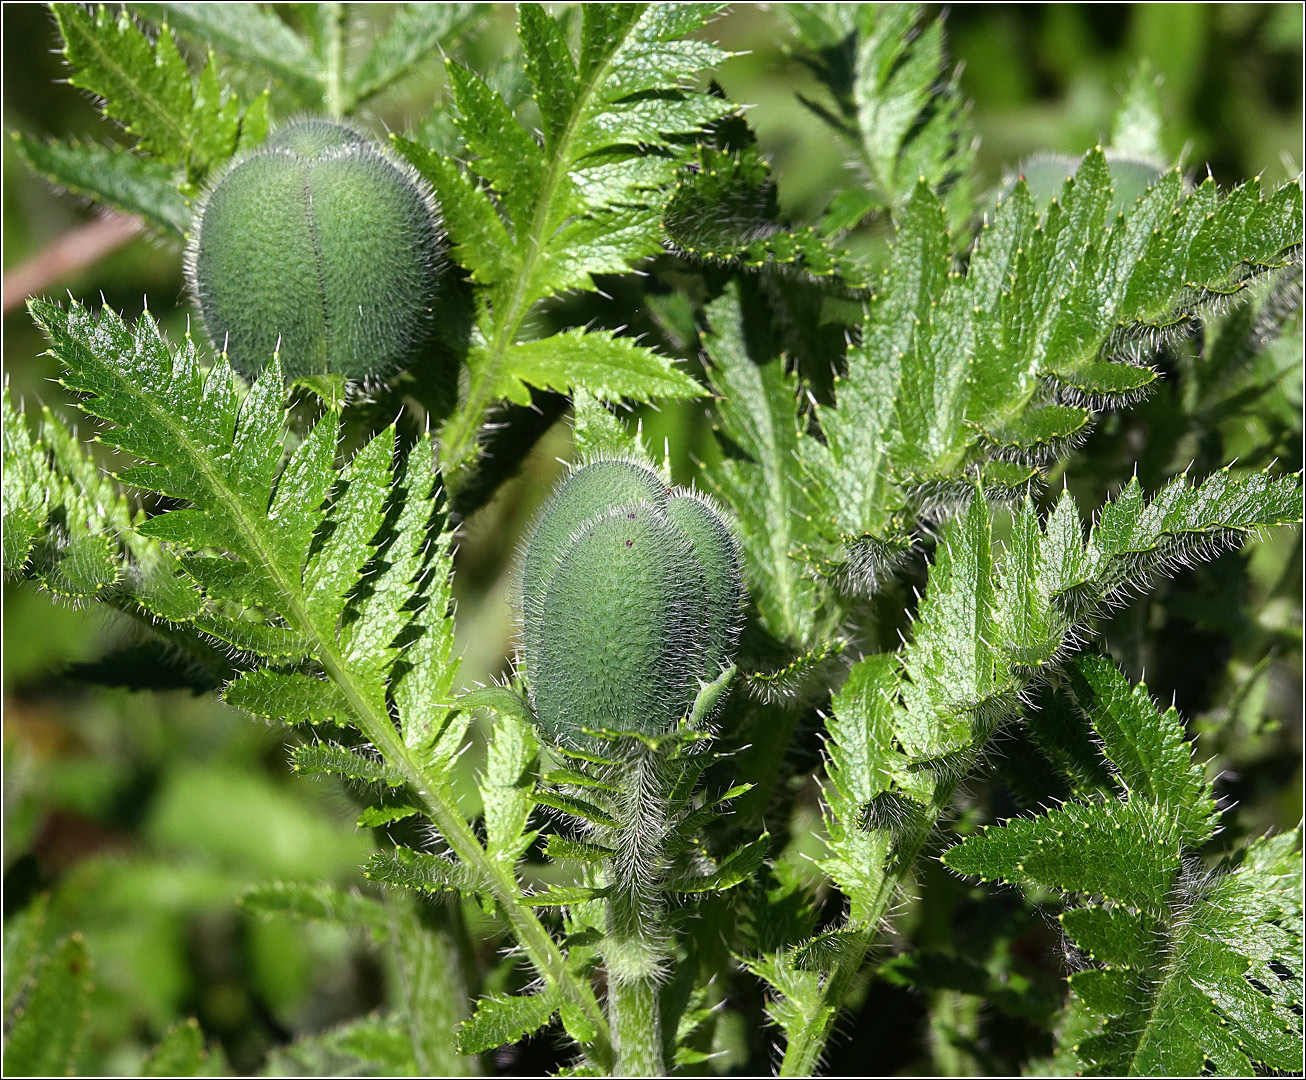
(144, 816)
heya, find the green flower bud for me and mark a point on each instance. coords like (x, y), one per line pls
(631, 599)
(321, 244)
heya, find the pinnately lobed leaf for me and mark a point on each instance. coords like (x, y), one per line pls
(630, 599)
(322, 246)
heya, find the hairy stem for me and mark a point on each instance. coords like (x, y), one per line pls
(535, 941)
(635, 949)
(636, 1029)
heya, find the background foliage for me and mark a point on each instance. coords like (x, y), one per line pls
(145, 817)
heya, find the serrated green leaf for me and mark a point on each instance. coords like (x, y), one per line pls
(508, 158)
(579, 1026)
(737, 867)
(1110, 935)
(608, 367)
(311, 581)
(419, 562)
(598, 432)
(1219, 978)
(318, 901)
(589, 206)
(289, 697)
(863, 764)
(822, 952)
(415, 32)
(375, 817)
(759, 415)
(248, 33)
(179, 1053)
(577, 808)
(559, 847)
(24, 939)
(796, 1001)
(131, 183)
(957, 673)
(86, 568)
(418, 870)
(71, 528)
(549, 66)
(476, 231)
(25, 491)
(147, 86)
(956, 367)
(357, 506)
(404, 591)
(578, 779)
(43, 1034)
(863, 761)
(1130, 852)
(317, 758)
(882, 72)
(1047, 431)
(498, 1021)
(1134, 536)
(506, 789)
(909, 127)
(805, 674)
(255, 638)
(1147, 748)
(504, 701)
(883, 393)
(1032, 628)
(724, 209)
(562, 895)
(1101, 383)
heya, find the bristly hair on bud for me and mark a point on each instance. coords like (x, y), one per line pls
(322, 246)
(630, 599)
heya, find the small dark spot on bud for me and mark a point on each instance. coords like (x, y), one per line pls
(631, 515)
(630, 543)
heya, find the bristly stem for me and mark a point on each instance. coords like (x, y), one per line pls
(633, 1012)
(636, 947)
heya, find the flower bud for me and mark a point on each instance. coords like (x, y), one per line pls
(321, 245)
(631, 598)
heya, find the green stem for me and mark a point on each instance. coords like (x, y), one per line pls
(954, 1021)
(637, 1029)
(334, 55)
(635, 949)
(535, 941)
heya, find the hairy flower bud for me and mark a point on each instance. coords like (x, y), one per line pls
(631, 598)
(321, 244)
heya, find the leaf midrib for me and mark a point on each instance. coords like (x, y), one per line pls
(467, 421)
(378, 727)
